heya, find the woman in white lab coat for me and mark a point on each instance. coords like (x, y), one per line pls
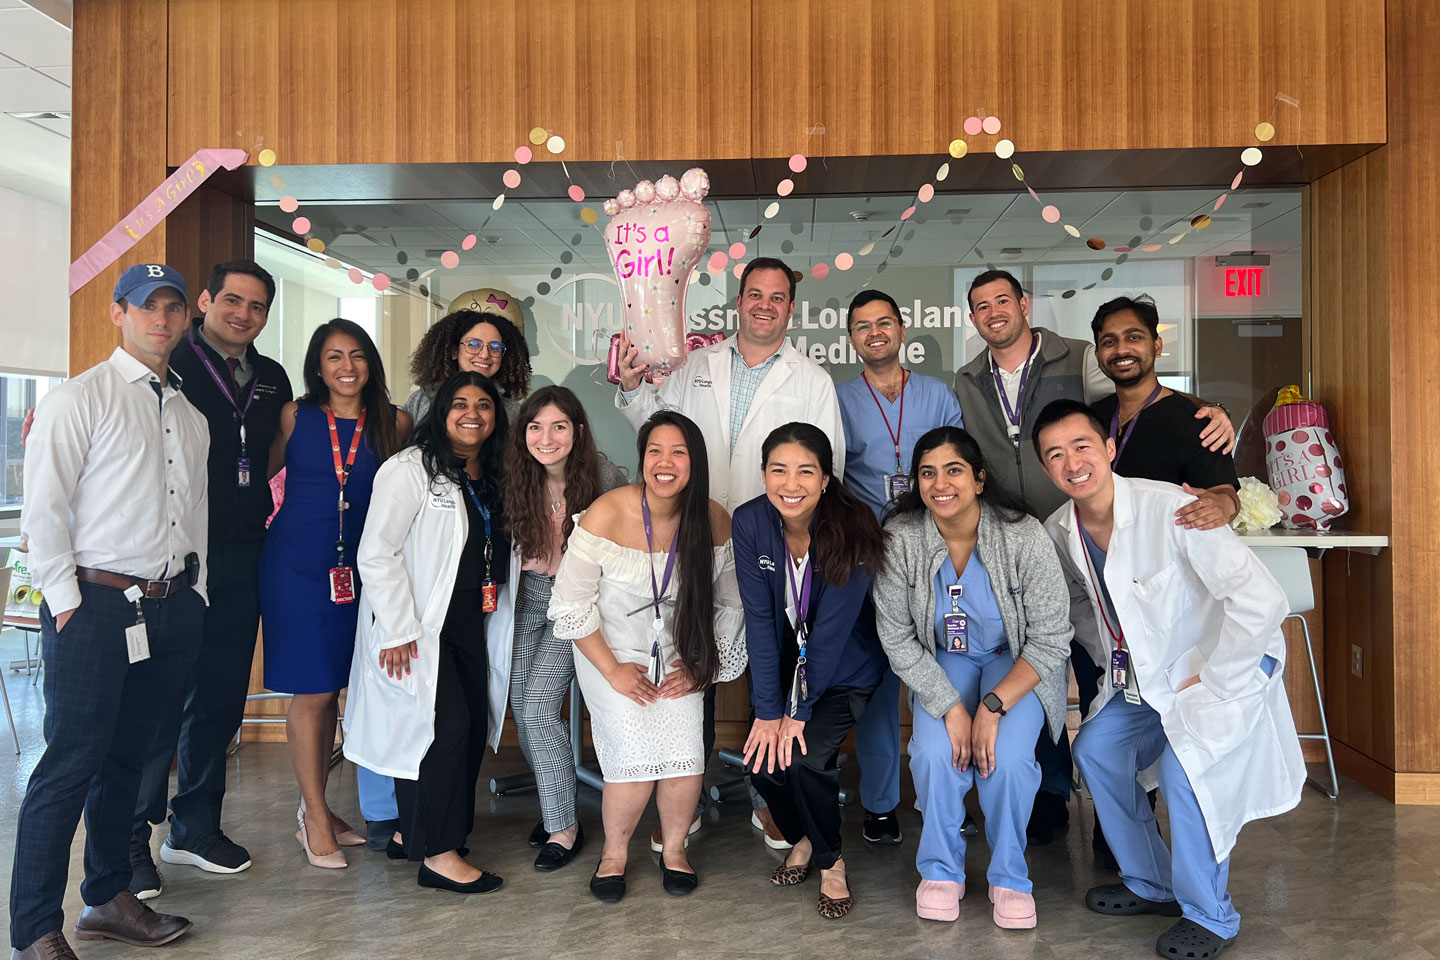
(432, 656)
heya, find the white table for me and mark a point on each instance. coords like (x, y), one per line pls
(1317, 540)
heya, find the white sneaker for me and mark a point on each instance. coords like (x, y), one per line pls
(774, 839)
(656, 845)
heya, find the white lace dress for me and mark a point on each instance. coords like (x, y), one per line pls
(599, 585)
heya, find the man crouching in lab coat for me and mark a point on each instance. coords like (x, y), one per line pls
(1186, 624)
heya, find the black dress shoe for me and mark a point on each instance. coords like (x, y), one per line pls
(553, 856)
(677, 883)
(394, 851)
(380, 833)
(128, 920)
(485, 883)
(539, 835)
(607, 889)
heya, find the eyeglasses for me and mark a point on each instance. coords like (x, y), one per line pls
(495, 346)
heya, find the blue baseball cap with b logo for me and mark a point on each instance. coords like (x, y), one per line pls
(138, 282)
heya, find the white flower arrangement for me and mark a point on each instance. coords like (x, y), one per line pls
(1259, 507)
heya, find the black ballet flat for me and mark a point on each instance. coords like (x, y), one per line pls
(553, 856)
(677, 883)
(539, 835)
(394, 851)
(607, 889)
(485, 883)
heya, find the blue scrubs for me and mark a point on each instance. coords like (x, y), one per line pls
(869, 456)
(377, 795)
(1008, 793)
(1111, 748)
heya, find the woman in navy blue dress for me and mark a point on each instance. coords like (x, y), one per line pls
(341, 430)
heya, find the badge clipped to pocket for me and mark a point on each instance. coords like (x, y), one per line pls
(489, 596)
(342, 584)
(897, 485)
(957, 633)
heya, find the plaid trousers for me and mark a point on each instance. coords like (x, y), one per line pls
(102, 718)
(540, 674)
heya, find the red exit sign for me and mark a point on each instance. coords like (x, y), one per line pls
(1244, 281)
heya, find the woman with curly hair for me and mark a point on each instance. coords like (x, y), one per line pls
(485, 343)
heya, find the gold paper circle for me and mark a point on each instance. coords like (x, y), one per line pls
(538, 135)
(332, 263)
(588, 214)
(267, 157)
(1265, 132)
(316, 244)
(1201, 222)
(958, 148)
(1015, 169)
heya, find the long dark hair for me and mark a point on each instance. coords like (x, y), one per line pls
(527, 508)
(380, 432)
(993, 495)
(439, 456)
(846, 533)
(434, 358)
(695, 552)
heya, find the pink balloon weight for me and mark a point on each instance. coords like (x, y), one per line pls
(926, 193)
(450, 259)
(523, 155)
(511, 178)
(301, 225)
(380, 282)
(577, 193)
(798, 163)
(820, 271)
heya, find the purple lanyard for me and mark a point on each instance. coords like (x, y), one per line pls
(801, 597)
(657, 592)
(1115, 422)
(225, 388)
(1015, 413)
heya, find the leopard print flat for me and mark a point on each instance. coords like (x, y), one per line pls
(789, 876)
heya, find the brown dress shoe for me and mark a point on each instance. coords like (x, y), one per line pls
(128, 920)
(52, 946)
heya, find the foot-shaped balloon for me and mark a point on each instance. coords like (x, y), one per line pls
(656, 235)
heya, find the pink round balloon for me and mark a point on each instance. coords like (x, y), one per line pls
(380, 282)
(1051, 213)
(717, 262)
(784, 187)
(301, 225)
(909, 212)
(289, 204)
(523, 155)
(511, 179)
(468, 242)
(355, 275)
(577, 193)
(798, 163)
(820, 271)
(927, 193)
(990, 125)
(450, 259)
(973, 126)
(843, 261)
(737, 250)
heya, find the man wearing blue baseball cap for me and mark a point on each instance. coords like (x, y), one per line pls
(116, 516)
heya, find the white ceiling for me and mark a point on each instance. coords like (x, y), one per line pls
(953, 229)
(34, 78)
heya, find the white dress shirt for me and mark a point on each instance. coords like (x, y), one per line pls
(114, 480)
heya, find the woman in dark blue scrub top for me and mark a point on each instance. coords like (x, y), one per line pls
(973, 612)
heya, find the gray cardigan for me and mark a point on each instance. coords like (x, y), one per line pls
(1029, 586)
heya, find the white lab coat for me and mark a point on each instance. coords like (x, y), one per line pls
(407, 560)
(796, 388)
(1195, 603)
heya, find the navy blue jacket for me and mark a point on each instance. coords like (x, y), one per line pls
(844, 648)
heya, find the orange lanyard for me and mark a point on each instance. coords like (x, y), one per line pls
(342, 471)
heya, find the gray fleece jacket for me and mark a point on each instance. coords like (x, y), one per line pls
(1029, 586)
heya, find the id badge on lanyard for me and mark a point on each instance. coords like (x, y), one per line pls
(799, 683)
(489, 589)
(957, 623)
(657, 589)
(897, 484)
(342, 575)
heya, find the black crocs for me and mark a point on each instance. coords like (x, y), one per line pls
(1187, 940)
(1116, 900)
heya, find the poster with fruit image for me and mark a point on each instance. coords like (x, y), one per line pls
(22, 600)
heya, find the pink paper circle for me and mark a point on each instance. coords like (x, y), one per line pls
(380, 282)
(909, 212)
(511, 179)
(1122, 249)
(738, 269)
(820, 271)
(843, 261)
(1234, 184)
(523, 155)
(737, 250)
(990, 125)
(1219, 201)
(1051, 213)
(1033, 195)
(355, 275)
(289, 204)
(301, 225)
(468, 242)
(784, 187)
(798, 163)
(1150, 247)
(717, 262)
(926, 193)
(450, 259)
(973, 126)
(577, 193)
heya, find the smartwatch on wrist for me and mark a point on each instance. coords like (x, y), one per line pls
(993, 703)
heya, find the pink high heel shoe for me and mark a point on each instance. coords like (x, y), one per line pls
(345, 838)
(330, 861)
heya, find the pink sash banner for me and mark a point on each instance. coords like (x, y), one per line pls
(150, 211)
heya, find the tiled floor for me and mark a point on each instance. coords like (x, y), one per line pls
(1351, 880)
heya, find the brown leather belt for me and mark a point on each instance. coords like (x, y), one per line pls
(153, 589)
